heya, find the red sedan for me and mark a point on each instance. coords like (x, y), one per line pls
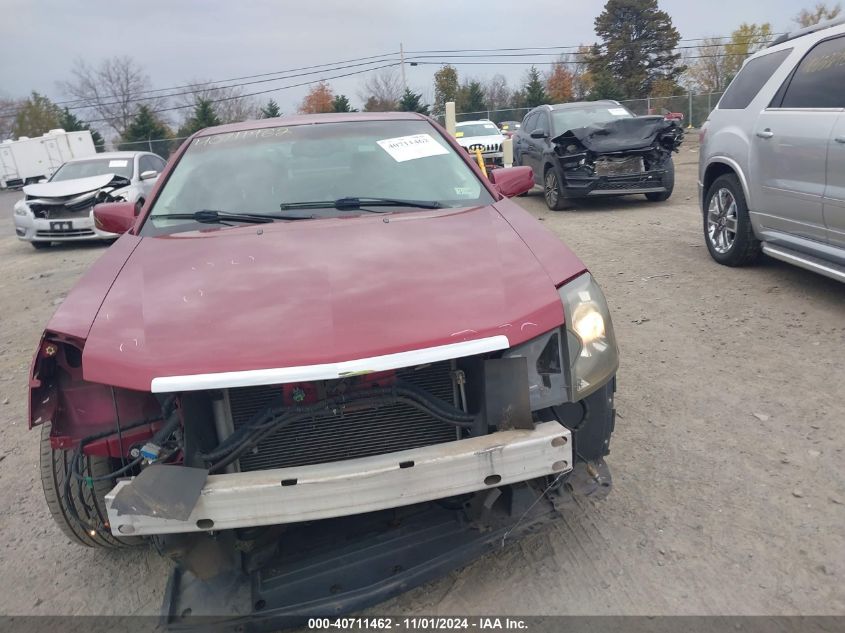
(318, 317)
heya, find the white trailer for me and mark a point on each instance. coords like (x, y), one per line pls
(28, 160)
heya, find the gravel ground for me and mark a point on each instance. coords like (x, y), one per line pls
(729, 478)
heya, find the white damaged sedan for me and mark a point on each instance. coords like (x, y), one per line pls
(61, 209)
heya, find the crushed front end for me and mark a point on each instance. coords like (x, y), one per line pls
(624, 156)
(288, 499)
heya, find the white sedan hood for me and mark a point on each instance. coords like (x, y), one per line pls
(65, 188)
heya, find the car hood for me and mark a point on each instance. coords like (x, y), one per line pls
(619, 135)
(312, 292)
(64, 188)
(490, 139)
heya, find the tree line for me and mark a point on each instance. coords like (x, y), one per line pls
(635, 56)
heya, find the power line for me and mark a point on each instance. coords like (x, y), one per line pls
(216, 83)
(261, 92)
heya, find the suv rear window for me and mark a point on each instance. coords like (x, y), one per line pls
(819, 80)
(750, 79)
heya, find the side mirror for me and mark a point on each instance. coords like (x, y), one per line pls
(512, 181)
(114, 217)
(538, 134)
(149, 175)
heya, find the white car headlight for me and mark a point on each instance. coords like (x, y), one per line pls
(593, 354)
(21, 208)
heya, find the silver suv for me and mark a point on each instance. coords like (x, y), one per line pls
(772, 162)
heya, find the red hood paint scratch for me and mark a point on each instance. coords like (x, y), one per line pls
(317, 292)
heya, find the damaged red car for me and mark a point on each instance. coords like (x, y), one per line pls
(328, 361)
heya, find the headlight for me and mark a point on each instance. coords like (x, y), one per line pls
(591, 344)
(21, 208)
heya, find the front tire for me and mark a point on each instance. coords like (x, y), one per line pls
(668, 183)
(86, 503)
(727, 226)
(552, 191)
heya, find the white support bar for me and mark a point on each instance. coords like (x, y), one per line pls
(322, 491)
(328, 371)
(450, 117)
(507, 152)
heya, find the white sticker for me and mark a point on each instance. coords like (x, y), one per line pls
(490, 126)
(404, 148)
(118, 163)
(618, 111)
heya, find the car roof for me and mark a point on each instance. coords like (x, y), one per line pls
(311, 119)
(802, 39)
(105, 155)
(807, 30)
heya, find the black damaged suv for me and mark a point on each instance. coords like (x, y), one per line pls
(597, 148)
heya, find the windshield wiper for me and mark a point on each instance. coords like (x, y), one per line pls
(355, 204)
(210, 216)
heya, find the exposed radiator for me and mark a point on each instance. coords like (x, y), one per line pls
(360, 433)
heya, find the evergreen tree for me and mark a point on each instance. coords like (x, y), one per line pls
(271, 110)
(471, 99)
(341, 104)
(69, 122)
(204, 116)
(534, 91)
(412, 102)
(146, 133)
(638, 40)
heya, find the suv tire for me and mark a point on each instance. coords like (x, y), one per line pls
(552, 192)
(88, 502)
(727, 227)
(668, 183)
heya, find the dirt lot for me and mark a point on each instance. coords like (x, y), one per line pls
(729, 477)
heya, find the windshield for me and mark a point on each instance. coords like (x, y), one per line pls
(258, 171)
(99, 167)
(564, 120)
(476, 129)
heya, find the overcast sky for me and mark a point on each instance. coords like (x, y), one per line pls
(179, 40)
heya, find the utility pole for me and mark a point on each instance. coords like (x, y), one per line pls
(402, 60)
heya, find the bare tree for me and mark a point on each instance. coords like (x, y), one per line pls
(577, 65)
(382, 90)
(819, 13)
(497, 92)
(9, 109)
(709, 69)
(112, 91)
(230, 104)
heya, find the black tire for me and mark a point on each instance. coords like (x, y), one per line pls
(745, 247)
(40, 246)
(91, 529)
(552, 192)
(668, 183)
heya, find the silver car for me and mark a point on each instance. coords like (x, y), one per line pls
(61, 208)
(772, 162)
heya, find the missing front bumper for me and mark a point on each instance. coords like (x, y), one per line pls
(321, 491)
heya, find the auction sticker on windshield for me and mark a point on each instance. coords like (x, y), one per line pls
(618, 111)
(404, 148)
